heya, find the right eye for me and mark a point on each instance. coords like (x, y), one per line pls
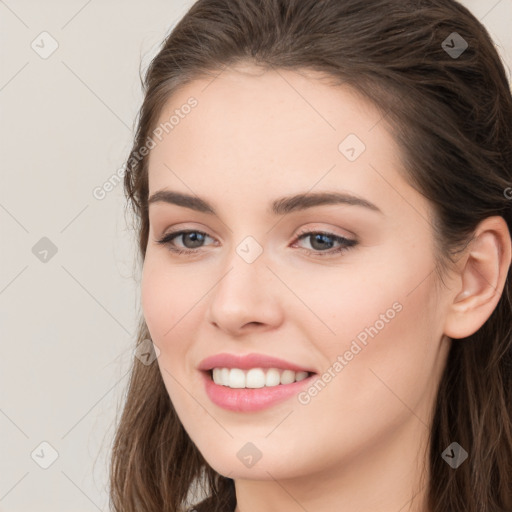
(191, 236)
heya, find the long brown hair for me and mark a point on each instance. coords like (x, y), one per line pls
(451, 116)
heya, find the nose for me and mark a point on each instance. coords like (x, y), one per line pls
(246, 297)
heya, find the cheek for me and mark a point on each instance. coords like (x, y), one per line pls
(172, 308)
(164, 308)
(166, 297)
(389, 352)
(384, 324)
(154, 301)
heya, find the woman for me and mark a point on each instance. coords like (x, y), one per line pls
(322, 198)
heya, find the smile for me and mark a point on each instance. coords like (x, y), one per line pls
(252, 382)
(236, 378)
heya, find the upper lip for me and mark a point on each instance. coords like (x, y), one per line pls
(248, 361)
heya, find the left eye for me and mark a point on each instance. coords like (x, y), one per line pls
(321, 240)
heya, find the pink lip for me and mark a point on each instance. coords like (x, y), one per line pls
(245, 362)
(250, 400)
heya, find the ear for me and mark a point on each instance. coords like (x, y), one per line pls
(484, 269)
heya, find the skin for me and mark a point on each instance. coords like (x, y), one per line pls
(360, 443)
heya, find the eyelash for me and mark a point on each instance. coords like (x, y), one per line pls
(346, 243)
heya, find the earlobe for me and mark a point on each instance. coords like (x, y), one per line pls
(484, 270)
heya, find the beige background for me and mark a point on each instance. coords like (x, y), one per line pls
(67, 323)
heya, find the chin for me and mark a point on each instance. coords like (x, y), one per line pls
(236, 463)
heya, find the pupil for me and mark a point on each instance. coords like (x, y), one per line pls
(320, 237)
(195, 237)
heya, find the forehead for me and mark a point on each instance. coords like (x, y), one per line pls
(273, 112)
(279, 131)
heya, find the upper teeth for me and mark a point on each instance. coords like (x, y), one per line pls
(255, 377)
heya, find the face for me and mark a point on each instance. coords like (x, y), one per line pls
(342, 289)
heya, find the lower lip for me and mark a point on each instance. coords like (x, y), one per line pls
(250, 400)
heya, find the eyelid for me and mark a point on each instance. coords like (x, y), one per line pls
(348, 235)
(182, 229)
(315, 228)
(169, 236)
(304, 233)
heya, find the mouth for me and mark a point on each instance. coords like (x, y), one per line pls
(252, 382)
(256, 378)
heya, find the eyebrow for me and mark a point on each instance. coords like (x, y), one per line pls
(279, 206)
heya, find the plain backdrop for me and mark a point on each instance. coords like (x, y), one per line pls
(69, 281)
